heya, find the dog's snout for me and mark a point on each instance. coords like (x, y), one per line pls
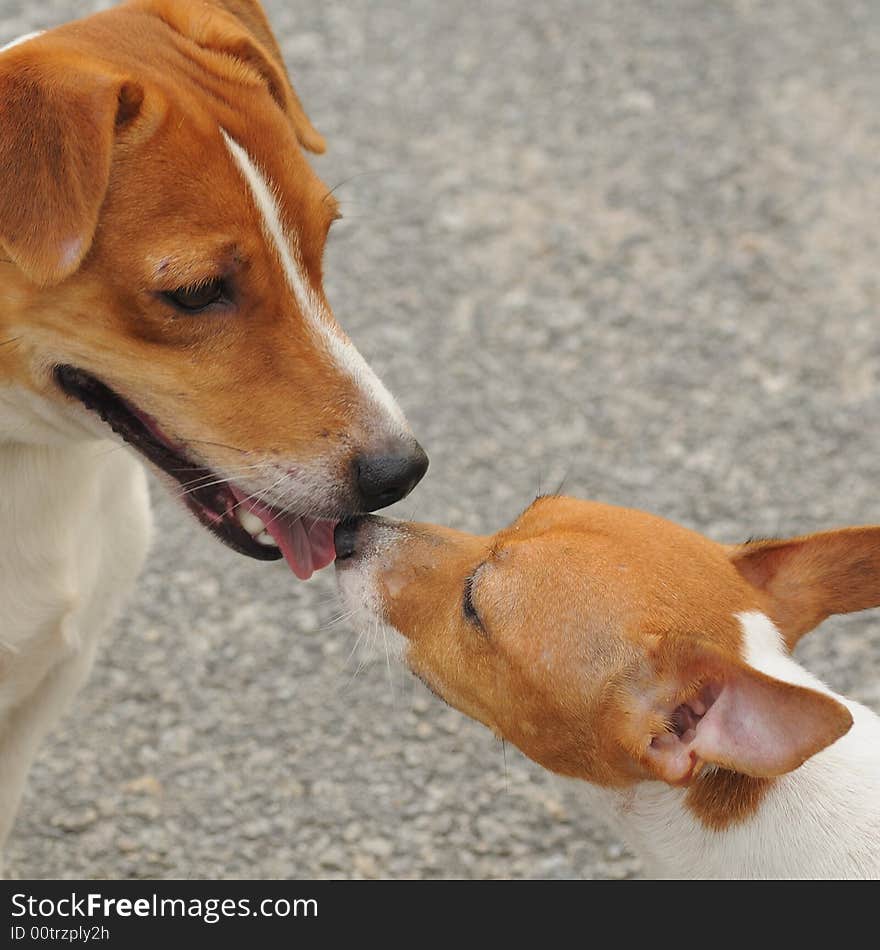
(385, 479)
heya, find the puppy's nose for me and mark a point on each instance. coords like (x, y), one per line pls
(384, 479)
(345, 538)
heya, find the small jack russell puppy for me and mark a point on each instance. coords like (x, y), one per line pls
(161, 242)
(616, 647)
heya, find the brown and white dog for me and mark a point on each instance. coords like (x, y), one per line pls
(161, 235)
(615, 647)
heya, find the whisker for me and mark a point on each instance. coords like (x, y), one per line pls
(361, 662)
(221, 445)
(195, 485)
(357, 643)
(345, 616)
(561, 485)
(259, 496)
(388, 665)
(241, 470)
(332, 603)
(211, 478)
(346, 684)
(354, 177)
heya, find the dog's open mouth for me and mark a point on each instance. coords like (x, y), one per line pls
(244, 524)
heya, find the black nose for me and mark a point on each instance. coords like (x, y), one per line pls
(384, 479)
(345, 538)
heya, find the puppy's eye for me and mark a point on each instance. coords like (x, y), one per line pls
(467, 604)
(198, 297)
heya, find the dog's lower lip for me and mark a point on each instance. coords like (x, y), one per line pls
(242, 523)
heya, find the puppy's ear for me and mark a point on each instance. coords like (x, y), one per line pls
(691, 704)
(59, 118)
(807, 579)
(239, 30)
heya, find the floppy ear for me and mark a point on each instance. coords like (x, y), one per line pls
(691, 704)
(239, 29)
(809, 578)
(58, 122)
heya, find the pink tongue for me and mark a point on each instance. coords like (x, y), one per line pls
(307, 545)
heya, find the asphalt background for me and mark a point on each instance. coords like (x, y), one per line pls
(628, 245)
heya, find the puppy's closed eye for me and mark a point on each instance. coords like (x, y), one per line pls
(468, 607)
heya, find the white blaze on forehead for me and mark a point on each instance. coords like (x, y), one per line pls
(286, 246)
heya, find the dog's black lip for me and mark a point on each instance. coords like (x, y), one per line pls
(201, 495)
(352, 522)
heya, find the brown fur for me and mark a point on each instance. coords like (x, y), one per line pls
(596, 623)
(721, 799)
(123, 188)
(809, 578)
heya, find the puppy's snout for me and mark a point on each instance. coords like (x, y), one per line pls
(385, 479)
(358, 537)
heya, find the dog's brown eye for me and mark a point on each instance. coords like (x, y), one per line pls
(198, 297)
(467, 604)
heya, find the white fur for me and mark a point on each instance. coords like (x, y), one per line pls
(286, 246)
(75, 527)
(360, 594)
(820, 821)
(75, 521)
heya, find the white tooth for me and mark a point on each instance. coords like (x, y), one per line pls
(250, 522)
(267, 539)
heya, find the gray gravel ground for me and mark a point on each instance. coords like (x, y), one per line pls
(631, 245)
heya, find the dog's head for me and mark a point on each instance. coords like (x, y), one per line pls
(615, 646)
(163, 234)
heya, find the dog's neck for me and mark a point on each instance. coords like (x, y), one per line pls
(821, 820)
(75, 525)
(74, 518)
